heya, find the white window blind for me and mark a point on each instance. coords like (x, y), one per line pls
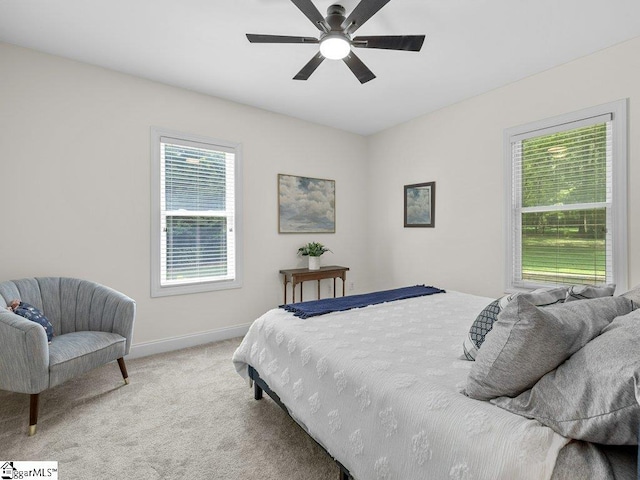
(564, 210)
(196, 239)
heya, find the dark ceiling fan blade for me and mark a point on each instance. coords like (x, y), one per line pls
(258, 38)
(410, 43)
(363, 12)
(311, 12)
(359, 69)
(310, 67)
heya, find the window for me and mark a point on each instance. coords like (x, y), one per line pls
(566, 200)
(195, 214)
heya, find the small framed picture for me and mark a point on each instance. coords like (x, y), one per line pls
(420, 205)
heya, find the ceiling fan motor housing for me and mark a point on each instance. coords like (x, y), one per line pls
(335, 17)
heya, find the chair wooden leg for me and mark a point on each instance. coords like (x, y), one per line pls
(33, 413)
(123, 369)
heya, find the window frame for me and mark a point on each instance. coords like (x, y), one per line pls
(618, 111)
(197, 285)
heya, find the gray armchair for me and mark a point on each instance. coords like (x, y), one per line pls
(93, 325)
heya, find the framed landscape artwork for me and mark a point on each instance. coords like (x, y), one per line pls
(420, 205)
(306, 205)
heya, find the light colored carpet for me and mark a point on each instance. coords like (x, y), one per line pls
(186, 414)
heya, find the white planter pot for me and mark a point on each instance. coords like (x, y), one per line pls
(314, 263)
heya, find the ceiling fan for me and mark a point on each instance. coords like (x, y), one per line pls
(335, 40)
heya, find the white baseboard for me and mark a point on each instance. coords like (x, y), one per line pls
(186, 341)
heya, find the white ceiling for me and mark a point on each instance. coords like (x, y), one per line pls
(472, 46)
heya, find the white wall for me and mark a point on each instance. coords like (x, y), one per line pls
(75, 170)
(460, 147)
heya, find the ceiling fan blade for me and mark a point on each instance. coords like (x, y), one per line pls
(258, 38)
(363, 12)
(311, 12)
(410, 43)
(310, 67)
(359, 69)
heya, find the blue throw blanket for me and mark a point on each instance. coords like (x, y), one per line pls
(328, 305)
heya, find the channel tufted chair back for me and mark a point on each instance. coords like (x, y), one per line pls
(92, 325)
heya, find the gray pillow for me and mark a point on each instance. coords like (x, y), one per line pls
(634, 296)
(527, 341)
(591, 396)
(486, 318)
(583, 292)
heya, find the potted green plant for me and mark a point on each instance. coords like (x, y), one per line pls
(314, 251)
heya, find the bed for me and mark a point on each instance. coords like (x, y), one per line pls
(380, 389)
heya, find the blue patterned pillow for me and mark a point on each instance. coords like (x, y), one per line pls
(481, 326)
(32, 313)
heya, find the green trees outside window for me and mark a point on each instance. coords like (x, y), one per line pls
(564, 178)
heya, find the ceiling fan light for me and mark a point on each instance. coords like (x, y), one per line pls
(334, 47)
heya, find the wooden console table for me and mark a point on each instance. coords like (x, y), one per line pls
(299, 275)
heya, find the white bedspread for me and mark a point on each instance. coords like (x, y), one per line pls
(379, 388)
